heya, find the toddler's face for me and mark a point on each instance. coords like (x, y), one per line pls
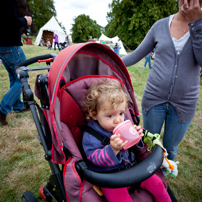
(109, 118)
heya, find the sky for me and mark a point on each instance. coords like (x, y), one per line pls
(68, 9)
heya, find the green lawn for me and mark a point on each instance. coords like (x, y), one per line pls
(22, 163)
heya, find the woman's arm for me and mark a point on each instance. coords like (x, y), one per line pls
(192, 11)
(12, 17)
(196, 37)
(146, 46)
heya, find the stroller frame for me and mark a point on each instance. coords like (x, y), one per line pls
(54, 189)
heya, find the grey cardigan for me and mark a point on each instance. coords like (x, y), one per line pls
(174, 77)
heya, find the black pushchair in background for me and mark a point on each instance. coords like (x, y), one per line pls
(63, 45)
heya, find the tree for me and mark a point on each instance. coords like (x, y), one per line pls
(132, 19)
(83, 28)
(42, 11)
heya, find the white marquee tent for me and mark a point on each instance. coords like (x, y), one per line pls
(114, 40)
(50, 28)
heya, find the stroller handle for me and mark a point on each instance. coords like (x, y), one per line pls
(124, 178)
(35, 59)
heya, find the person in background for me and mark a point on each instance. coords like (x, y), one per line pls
(118, 47)
(171, 93)
(49, 44)
(24, 37)
(56, 42)
(153, 54)
(105, 105)
(11, 54)
(91, 39)
(103, 42)
(148, 60)
(111, 45)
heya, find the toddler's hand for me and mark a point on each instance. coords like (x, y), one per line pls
(139, 130)
(116, 143)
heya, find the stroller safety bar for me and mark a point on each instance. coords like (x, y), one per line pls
(123, 178)
(23, 68)
(35, 59)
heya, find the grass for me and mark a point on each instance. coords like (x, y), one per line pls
(22, 163)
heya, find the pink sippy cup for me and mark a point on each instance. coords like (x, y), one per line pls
(127, 132)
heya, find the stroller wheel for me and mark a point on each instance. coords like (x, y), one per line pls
(28, 196)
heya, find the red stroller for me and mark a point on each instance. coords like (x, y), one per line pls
(60, 116)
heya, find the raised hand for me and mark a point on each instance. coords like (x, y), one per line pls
(116, 143)
(192, 9)
(139, 130)
(29, 20)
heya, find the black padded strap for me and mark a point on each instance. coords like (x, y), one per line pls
(96, 134)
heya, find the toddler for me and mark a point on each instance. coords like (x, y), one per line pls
(49, 45)
(105, 105)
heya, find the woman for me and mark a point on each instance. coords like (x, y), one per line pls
(172, 87)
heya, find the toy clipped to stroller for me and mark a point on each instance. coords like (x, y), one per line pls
(60, 122)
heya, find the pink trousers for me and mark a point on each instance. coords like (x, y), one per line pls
(153, 184)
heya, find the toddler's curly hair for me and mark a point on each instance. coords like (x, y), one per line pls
(108, 90)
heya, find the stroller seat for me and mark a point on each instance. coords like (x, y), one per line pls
(68, 94)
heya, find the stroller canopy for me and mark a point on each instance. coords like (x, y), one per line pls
(87, 59)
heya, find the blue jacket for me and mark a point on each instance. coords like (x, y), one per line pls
(103, 156)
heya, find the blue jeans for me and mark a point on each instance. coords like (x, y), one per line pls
(11, 56)
(147, 60)
(57, 46)
(174, 131)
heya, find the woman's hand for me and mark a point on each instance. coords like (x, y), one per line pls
(116, 143)
(192, 9)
